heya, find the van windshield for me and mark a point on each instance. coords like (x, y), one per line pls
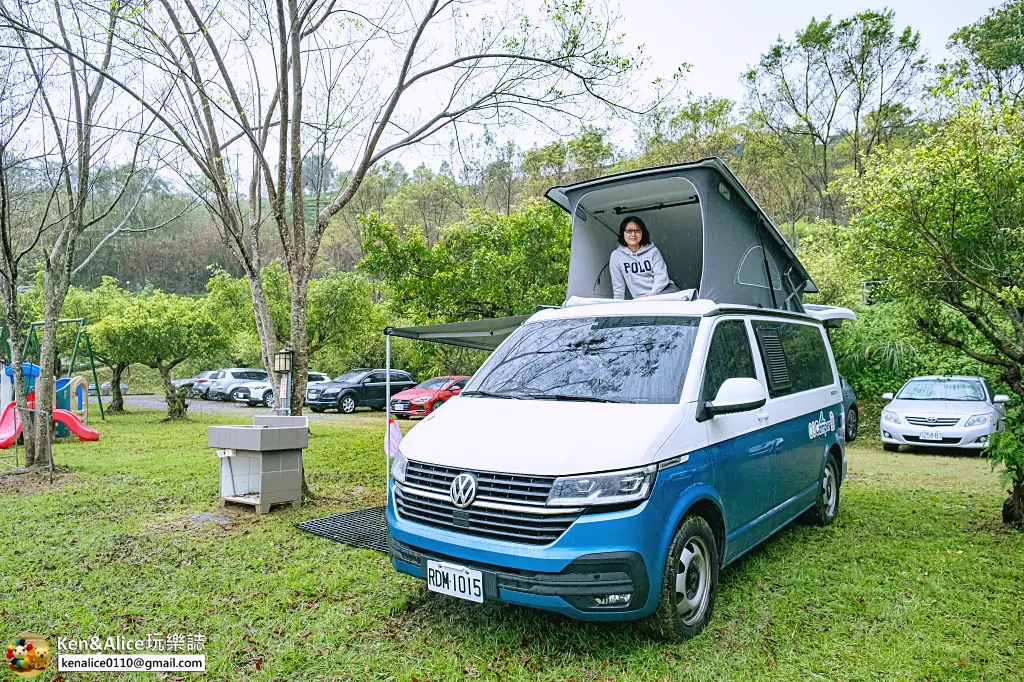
(628, 359)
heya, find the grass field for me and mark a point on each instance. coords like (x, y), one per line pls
(916, 581)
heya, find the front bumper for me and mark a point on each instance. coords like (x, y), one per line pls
(611, 552)
(958, 437)
(321, 400)
(407, 409)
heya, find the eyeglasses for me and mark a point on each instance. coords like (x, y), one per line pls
(633, 231)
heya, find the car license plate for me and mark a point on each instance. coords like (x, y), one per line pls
(931, 435)
(401, 406)
(455, 581)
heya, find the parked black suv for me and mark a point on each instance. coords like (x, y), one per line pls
(358, 388)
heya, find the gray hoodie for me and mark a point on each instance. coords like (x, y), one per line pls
(643, 272)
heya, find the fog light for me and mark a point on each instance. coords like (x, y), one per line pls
(613, 599)
(983, 440)
(886, 434)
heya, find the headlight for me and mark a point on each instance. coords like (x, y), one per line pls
(398, 467)
(420, 401)
(890, 417)
(332, 391)
(616, 487)
(980, 419)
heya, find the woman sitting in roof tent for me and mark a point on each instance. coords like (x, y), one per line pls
(637, 264)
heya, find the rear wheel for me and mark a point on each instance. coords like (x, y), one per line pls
(852, 422)
(689, 583)
(269, 400)
(890, 447)
(826, 508)
(346, 404)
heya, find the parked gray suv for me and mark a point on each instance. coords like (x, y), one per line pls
(224, 383)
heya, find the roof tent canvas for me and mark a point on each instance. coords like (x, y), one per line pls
(712, 234)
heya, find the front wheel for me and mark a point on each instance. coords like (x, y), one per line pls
(852, 422)
(318, 409)
(689, 583)
(825, 510)
(347, 404)
(269, 400)
(232, 396)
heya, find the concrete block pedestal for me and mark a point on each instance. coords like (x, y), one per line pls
(261, 465)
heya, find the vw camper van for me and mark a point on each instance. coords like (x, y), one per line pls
(611, 456)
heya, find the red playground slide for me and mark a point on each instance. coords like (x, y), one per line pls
(74, 424)
(10, 426)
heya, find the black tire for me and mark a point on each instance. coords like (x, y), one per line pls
(317, 409)
(890, 447)
(347, 404)
(269, 400)
(852, 424)
(231, 396)
(669, 622)
(205, 395)
(826, 507)
(437, 404)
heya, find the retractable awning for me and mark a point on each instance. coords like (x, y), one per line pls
(479, 334)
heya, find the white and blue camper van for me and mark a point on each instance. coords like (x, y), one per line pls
(611, 456)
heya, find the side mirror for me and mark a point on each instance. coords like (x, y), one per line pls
(887, 396)
(456, 389)
(1001, 399)
(737, 395)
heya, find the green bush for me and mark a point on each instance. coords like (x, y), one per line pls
(1006, 450)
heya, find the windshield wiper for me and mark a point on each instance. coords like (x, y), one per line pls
(571, 398)
(489, 394)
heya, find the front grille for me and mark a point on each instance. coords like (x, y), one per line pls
(524, 527)
(933, 421)
(944, 441)
(490, 486)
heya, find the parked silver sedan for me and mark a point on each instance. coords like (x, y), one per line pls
(942, 411)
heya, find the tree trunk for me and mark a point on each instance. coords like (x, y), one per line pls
(54, 291)
(15, 342)
(1013, 507)
(300, 363)
(176, 404)
(116, 399)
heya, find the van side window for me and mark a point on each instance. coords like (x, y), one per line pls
(728, 357)
(794, 355)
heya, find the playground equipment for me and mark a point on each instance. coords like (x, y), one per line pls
(70, 412)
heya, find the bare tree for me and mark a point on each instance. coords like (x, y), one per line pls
(81, 123)
(409, 69)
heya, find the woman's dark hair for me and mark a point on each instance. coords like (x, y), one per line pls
(644, 240)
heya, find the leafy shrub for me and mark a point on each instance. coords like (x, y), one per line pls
(1006, 450)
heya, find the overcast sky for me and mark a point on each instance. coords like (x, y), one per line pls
(720, 39)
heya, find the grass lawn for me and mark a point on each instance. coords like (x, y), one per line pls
(917, 580)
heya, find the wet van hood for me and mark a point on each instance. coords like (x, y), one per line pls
(541, 437)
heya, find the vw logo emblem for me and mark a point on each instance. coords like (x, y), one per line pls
(931, 420)
(463, 490)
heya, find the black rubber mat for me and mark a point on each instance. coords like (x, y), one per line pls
(366, 528)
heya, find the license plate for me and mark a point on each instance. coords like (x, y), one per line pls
(400, 406)
(455, 581)
(931, 435)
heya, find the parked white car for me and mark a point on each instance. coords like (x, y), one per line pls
(942, 411)
(254, 393)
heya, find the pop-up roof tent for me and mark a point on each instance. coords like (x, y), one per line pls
(712, 234)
